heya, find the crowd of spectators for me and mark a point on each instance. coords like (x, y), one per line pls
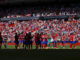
(48, 27)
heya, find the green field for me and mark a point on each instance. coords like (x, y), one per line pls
(58, 47)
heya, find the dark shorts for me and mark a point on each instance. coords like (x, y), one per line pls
(72, 42)
(22, 41)
(31, 42)
(63, 42)
(16, 42)
(27, 42)
(58, 41)
(1, 41)
(67, 41)
(38, 42)
(44, 42)
(76, 41)
(54, 41)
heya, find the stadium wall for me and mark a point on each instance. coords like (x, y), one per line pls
(30, 18)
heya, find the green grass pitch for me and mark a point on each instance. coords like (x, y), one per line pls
(58, 47)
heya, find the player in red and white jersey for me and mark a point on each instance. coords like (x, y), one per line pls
(63, 40)
(43, 41)
(54, 35)
(72, 40)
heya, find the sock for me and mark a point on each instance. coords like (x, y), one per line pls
(63, 45)
(70, 46)
(48, 45)
(74, 45)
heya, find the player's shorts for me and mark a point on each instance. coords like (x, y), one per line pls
(27, 43)
(38, 42)
(76, 41)
(16, 42)
(22, 41)
(63, 42)
(1, 41)
(67, 41)
(72, 42)
(58, 41)
(31, 42)
(54, 41)
(44, 42)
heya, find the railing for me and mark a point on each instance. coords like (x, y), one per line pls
(38, 18)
